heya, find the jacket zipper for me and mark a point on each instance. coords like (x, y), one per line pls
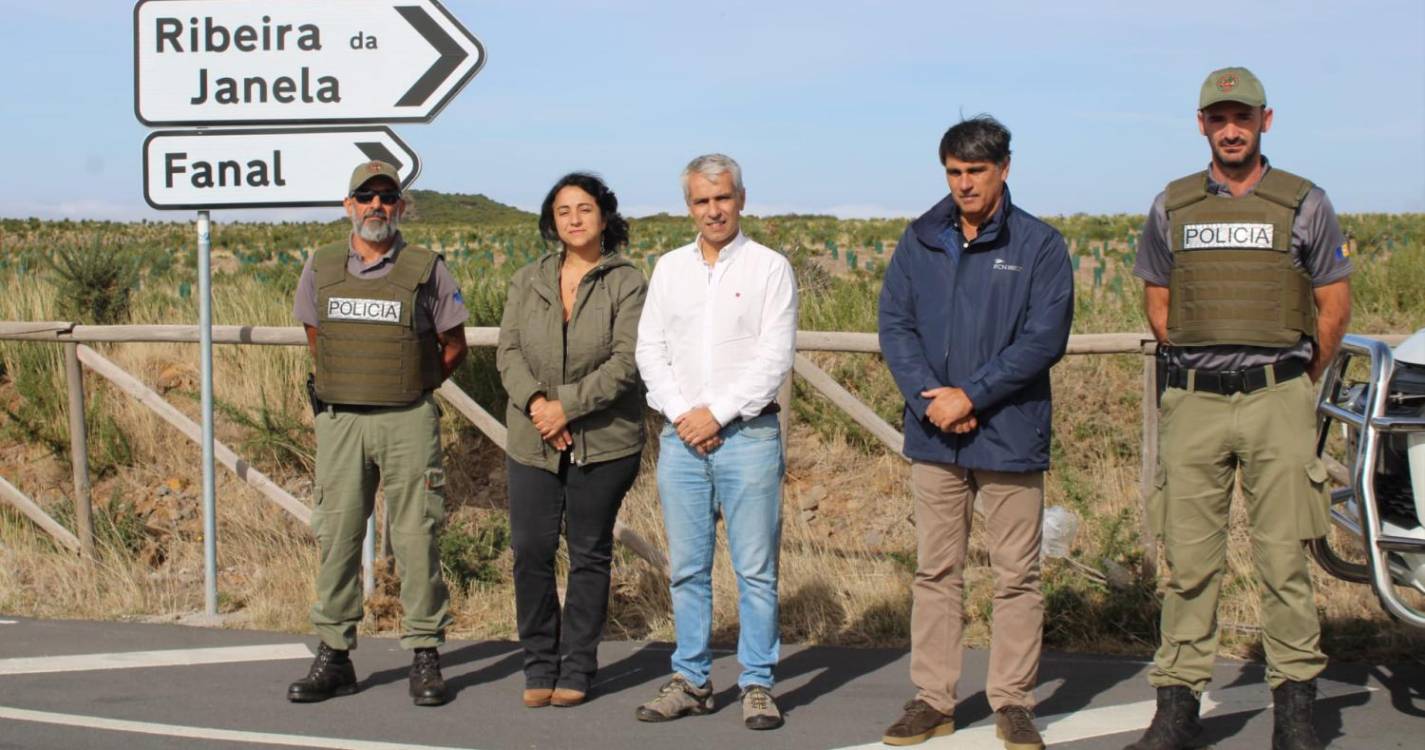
(959, 249)
(579, 452)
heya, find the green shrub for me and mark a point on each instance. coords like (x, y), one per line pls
(95, 283)
(469, 548)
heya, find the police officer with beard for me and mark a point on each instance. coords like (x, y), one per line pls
(1247, 291)
(384, 322)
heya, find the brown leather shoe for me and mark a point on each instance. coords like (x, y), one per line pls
(537, 697)
(567, 697)
(918, 723)
(1015, 725)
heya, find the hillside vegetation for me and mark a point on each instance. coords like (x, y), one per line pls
(432, 207)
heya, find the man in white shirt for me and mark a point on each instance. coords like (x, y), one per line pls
(715, 342)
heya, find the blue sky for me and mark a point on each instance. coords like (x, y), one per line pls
(830, 107)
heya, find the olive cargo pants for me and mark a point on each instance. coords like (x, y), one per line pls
(1203, 439)
(400, 448)
(1013, 506)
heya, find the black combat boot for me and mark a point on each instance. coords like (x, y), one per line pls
(1293, 729)
(331, 674)
(1174, 723)
(427, 686)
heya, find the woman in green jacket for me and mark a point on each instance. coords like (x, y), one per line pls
(575, 422)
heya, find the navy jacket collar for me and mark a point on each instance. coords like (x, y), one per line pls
(931, 226)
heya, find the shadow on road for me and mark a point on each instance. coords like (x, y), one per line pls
(649, 664)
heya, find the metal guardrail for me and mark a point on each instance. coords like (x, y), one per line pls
(1355, 508)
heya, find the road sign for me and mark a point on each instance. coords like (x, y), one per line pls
(255, 62)
(264, 168)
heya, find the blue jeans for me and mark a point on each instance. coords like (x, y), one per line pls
(743, 479)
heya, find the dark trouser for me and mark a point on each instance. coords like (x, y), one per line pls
(586, 499)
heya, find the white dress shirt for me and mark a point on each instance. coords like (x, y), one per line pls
(720, 336)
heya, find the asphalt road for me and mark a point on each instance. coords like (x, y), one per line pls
(72, 685)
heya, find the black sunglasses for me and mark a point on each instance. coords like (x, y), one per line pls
(388, 197)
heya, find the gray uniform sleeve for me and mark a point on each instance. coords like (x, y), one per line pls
(1154, 263)
(1317, 236)
(304, 303)
(445, 303)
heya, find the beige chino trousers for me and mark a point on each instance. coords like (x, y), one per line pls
(1013, 507)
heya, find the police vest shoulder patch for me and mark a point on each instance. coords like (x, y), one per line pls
(1212, 236)
(366, 310)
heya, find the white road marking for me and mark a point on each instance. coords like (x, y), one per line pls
(1128, 717)
(140, 659)
(204, 733)
(9, 622)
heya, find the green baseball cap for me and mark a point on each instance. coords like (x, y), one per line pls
(368, 170)
(1232, 85)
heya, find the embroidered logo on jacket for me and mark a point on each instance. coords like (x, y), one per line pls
(1208, 236)
(1000, 265)
(369, 310)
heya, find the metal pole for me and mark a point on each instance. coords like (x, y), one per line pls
(385, 545)
(205, 346)
(368, 556)
(79, 451)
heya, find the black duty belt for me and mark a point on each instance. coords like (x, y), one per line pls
(771, 408)
(1228, 382)
(368, 408)
(357, 408)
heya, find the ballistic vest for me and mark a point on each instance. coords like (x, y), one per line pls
(1233, 281)
(368, 351)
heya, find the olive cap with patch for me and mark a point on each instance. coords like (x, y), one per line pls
(1232, 85)
(368, 170)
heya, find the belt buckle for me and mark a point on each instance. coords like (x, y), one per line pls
(1232, 381)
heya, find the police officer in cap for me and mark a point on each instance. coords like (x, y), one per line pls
(1247, 292)
(385, 323)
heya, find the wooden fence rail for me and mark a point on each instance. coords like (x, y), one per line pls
(194, 432)
(73, 336)
(826, 341)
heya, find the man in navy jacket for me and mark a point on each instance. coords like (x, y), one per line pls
(976, 307)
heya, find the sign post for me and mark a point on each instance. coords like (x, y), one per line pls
(310, 63)
(205, 346)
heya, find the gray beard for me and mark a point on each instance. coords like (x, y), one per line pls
(376, 231)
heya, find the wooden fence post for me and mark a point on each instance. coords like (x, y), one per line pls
(784, 401)
(79, 451)
(1149, 468)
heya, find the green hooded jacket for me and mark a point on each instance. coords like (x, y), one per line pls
(589, 368)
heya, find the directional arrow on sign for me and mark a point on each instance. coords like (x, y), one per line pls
(255, 62)
(264, 168)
